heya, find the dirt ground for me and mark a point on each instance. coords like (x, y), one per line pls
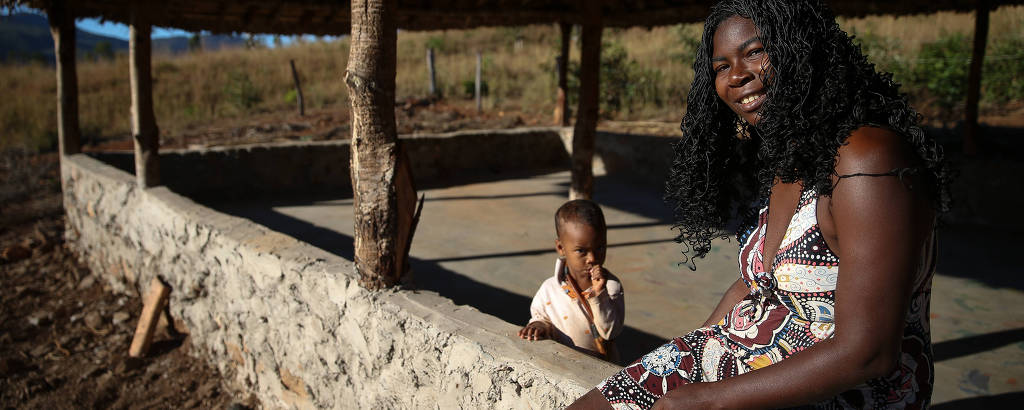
(64, 337)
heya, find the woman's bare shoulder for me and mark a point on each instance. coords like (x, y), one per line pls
(873, 150)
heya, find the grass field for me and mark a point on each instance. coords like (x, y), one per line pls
(648, 72)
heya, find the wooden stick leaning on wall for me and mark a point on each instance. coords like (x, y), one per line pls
(152, 308)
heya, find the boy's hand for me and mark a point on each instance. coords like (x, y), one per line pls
(597, 279)
(535, 331)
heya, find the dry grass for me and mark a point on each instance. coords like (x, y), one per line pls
(518, 69)
(914, 30)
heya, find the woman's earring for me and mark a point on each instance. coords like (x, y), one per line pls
(742, 129)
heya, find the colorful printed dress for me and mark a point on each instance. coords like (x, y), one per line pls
(790, 307)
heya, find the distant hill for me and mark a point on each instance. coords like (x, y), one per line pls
(179, 44)
(25, 37)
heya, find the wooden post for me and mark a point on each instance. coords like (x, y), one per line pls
(144, 128)
(974, 78)
(582, 185)
(562, 63)
(62, 27)
(430, 72)
(298, 89)
(479, 62)
(370, 77)
(152, 307)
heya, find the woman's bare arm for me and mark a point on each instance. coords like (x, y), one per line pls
(732, 296)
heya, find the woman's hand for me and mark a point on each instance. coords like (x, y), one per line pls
(536, 331)
(687, 396)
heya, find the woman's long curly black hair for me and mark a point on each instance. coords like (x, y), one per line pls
(820, 88)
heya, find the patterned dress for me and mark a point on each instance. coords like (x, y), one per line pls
(790, 307)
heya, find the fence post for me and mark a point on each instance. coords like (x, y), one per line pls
(430, 72)
(479, 62)
(298, 89)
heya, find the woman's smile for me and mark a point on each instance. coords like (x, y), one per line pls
(752, 102)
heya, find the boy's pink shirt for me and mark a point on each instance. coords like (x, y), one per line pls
(553, 305)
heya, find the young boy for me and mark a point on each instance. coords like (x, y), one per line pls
(558, 312)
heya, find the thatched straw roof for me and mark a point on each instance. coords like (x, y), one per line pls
(332, 16)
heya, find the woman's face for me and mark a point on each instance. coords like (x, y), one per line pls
(739, 63)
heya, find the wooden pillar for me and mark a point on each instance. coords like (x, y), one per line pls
(62, 27)
(974, 77)
(582, 185)
(562, 63)
(144, 129)
(370, 77)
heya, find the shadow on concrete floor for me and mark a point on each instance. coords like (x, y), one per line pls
(966, 346)
(648, 203)
(320, 237)
(1000, 401)
(983, 254)
(535, 252)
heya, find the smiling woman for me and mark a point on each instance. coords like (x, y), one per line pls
(739, 64)
(791, 131)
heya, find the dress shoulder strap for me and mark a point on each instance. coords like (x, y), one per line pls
(903, 174)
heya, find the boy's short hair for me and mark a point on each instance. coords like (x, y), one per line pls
(582, 211)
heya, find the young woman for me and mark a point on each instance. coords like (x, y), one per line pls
(836, 255)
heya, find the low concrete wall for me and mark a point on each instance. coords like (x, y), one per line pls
(323, 167)
(289, 322)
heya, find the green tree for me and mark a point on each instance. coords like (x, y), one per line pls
(625, 84)
(103, 50)
(1004, 64)
(195, 43)
(941, 70)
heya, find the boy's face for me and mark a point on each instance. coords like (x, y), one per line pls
(582, 246)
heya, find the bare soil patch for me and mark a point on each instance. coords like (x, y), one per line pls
(64, 336)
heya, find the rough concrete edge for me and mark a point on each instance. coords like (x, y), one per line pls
(293, 144)
(571, 372)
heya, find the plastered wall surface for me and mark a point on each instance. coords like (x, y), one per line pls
(288, 321)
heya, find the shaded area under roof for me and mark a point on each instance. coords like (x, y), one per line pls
(331, 17)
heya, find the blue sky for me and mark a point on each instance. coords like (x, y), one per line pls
(120, 31)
